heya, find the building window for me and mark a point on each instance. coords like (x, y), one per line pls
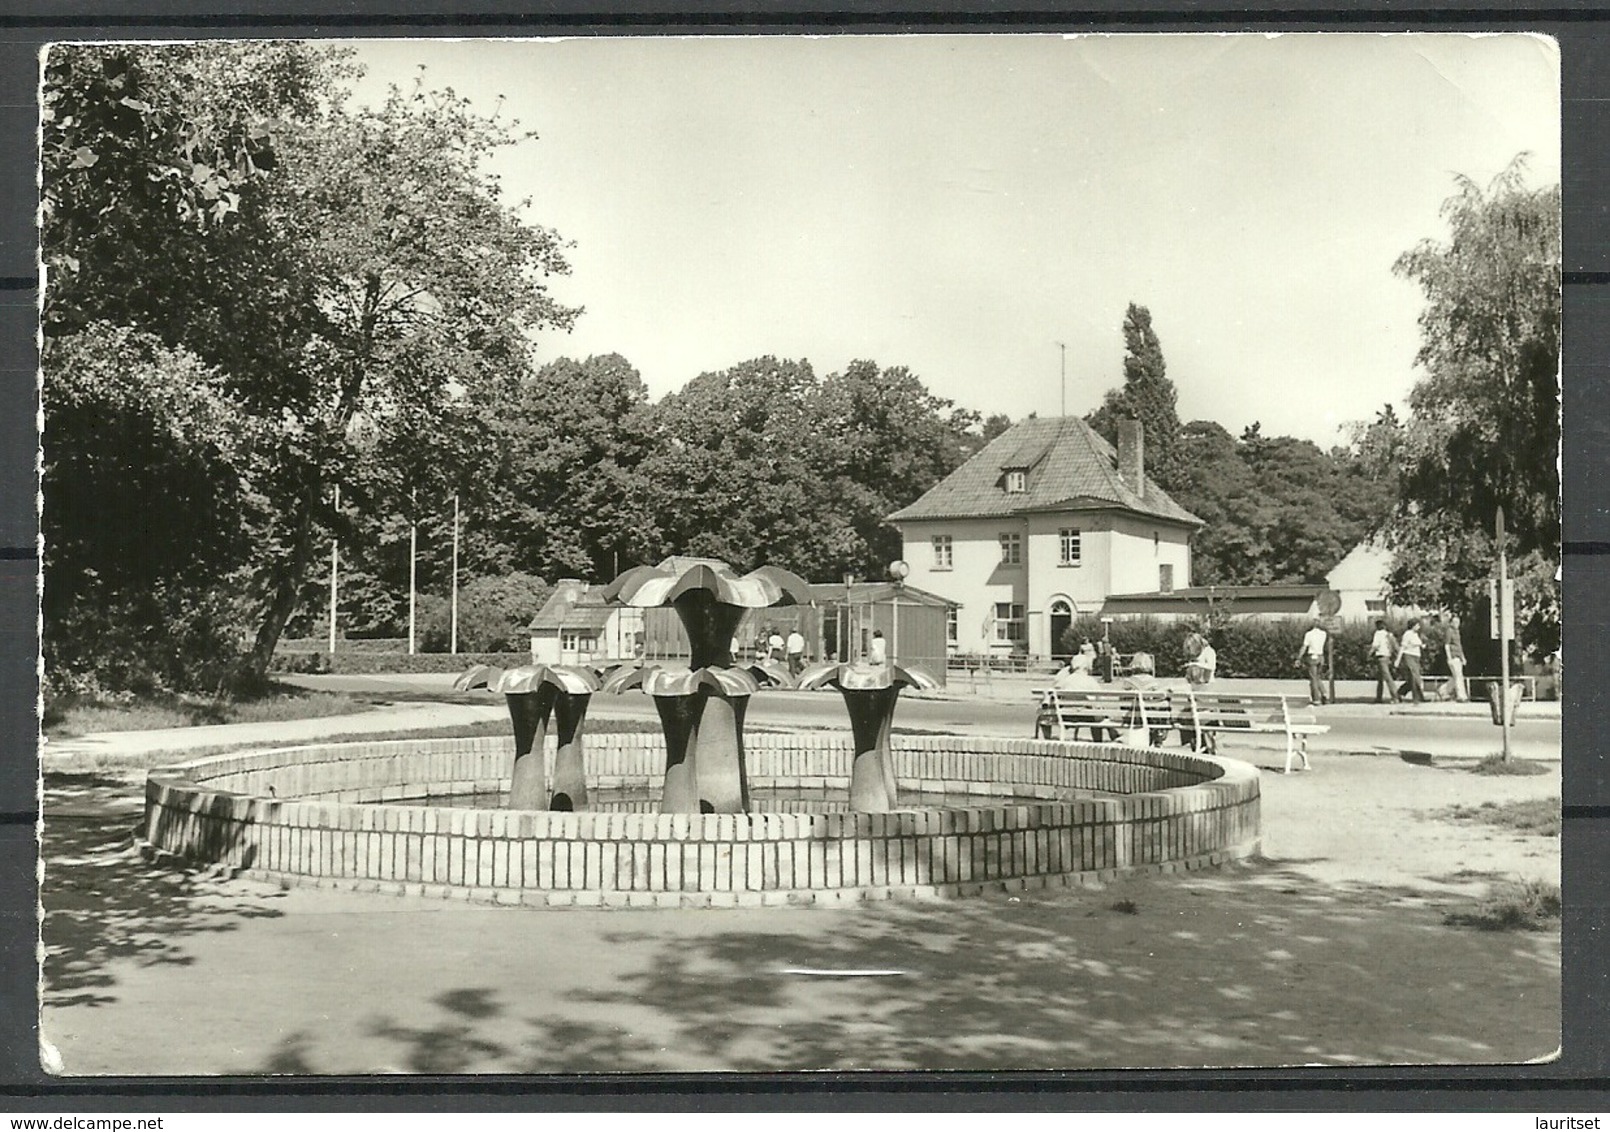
(1017, 482)
(572, 641)
(942, 552)
(1009, 622)
(1071, 546)
(952, 633)
(1165, 577)
(1011, 550)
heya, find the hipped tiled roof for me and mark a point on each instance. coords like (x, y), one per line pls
(573, 605)
(1069, 467)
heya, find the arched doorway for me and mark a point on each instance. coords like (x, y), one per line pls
(1061, 615)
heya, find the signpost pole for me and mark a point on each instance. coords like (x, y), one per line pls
(1503, 631)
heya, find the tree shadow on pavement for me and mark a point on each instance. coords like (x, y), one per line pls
(1253, 966)
(105, 905)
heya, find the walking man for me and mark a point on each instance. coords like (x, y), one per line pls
(1312, 653)
(796, 651)
(1409, 654)
(1456, 661)
(1384, 651)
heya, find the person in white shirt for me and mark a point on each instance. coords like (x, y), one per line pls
(1312, 653)
(796, 652)
(1201, 662)
(1409, 656)
(1384, 652)
(878, 652)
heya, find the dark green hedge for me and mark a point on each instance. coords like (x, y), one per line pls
(1257, 648)
(369, 664)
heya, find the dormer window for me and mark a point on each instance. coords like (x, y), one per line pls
(1017, 481)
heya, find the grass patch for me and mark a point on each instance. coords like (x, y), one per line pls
(68, 719)
(1127, 907)
(1539, 816)
(1530, 906)
(1498, 765)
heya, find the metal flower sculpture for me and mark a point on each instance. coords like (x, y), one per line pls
(870, 693)
(534, 694)
(702, 708)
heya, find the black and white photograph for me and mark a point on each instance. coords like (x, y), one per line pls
(759, 554)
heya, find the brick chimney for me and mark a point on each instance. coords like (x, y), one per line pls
(1132, 456)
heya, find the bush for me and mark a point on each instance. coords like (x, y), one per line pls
(371, 664)
(1254, 647)
(493, 614)
(1529, 906)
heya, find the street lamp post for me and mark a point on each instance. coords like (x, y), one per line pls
(898, 571)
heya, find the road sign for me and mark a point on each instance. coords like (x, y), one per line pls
(1507, 629)
(1330, 603)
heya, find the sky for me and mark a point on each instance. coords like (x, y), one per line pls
(960, 205)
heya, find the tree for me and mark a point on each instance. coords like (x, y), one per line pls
(736, 473)
(569, 498)
(352, 275)
(765, 464)
(884, 440)
(1484, 428)
(1276, 509)
(1148, 396)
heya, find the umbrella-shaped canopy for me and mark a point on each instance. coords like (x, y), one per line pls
(647, 586)
(657, 681)
(865, 677)
(574, 679)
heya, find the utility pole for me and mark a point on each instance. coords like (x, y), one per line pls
(413, 561)
(1063, 346)
(335, 555)
(452, 646)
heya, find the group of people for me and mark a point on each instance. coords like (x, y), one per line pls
(1080, 671)
(771, 645)
(1411, 655)
(1200, 663)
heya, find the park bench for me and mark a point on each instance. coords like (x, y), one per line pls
(1064, 713)
(1203, 715)
(1211, 714)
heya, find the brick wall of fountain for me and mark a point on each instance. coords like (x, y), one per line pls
(336, 814)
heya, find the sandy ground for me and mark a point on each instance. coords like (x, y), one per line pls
(1330, 949)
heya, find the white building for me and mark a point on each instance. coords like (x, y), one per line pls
(1360, 580)
(1040, 526)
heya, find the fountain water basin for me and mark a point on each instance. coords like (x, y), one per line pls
(1020, 817)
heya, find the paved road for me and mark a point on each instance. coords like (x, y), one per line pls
(1006, 708)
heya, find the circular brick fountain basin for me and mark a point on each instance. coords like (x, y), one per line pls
(1023, 817)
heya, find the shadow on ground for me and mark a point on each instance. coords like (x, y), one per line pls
(1254, 966)
(103, 903)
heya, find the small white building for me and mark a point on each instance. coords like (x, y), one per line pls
(1041, 525)
(574, 626)
(1360, 580)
